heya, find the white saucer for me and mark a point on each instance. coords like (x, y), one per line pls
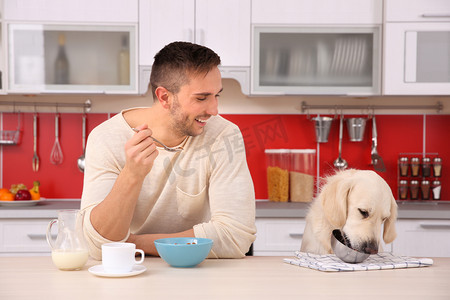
(99, 271)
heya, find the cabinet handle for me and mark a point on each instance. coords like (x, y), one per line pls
(296, 235)
(435, 226)
(40, 236)
(444, 15)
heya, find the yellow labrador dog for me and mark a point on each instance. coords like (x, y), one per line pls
(358, 202)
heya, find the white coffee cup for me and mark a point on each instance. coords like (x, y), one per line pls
(120, 257)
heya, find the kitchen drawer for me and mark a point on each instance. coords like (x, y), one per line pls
(278, 236)
(24, 236)
(418, 10)
(429, 238)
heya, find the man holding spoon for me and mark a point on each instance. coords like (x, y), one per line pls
(136, 189)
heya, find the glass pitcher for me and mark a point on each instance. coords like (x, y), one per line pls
(69, 250)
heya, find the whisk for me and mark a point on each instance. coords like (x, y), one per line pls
(56, 156)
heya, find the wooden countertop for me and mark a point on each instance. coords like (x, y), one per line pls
(248, 278)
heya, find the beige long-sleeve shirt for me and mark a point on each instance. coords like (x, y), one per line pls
(207, 187)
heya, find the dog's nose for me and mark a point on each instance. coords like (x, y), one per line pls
(370, 247)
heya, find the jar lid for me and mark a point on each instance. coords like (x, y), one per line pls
(276, 151)
(303, 151)
(414, 182)
(425, 182)
(403, 159)
(403, 182)
(415, 159)
(436, 182)
(437, 159)
(426, 159)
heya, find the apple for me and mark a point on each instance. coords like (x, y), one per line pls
(22, 195)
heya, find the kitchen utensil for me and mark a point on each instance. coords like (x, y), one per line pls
(322, 125)
(377, 161)
(56, 156)
(171, 149)
(356, 127)
(35, 160)
(80, 160)
(183, 252)
(340, 163)
(69, 250)
(343, 252)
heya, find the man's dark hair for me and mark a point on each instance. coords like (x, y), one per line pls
(177, 61)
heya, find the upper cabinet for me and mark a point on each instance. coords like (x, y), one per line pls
(417, 47)
(222, 25)
(70, 46)
(316, 47)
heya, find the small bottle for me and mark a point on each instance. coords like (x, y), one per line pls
(415, 166)
(403, 165)
(425, 189)
(403, 190)
(414, 189)
(436, 188)
(61, 62)
(426, 167)
(437, 167)
(124, 62)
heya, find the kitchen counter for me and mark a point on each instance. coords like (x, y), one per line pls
(406, 210)
(264, 209)
(248, 278)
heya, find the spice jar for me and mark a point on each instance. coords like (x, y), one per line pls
(437, 167)
(414, 189)
(415, 166)
(403, 165)
(403, 190)
(426, 167)
(436, 188)
(425, 189)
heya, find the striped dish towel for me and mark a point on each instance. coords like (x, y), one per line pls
(380, 261)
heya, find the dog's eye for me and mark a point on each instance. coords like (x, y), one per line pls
(364, 213)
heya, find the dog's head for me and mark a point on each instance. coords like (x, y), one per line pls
(360, 203)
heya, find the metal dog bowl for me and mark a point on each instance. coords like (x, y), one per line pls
(344, 252)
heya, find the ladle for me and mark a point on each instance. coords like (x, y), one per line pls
(340, 163)
(80, 160)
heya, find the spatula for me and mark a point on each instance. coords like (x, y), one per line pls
(377, 161)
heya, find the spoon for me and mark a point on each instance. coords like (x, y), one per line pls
(80, 160)
(167, 148)
(340, 163)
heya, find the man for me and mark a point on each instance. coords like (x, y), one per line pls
(136, 191)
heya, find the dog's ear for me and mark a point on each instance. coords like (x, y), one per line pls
(389, 232)
(334, 197)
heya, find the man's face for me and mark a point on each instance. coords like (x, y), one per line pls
(195, 103)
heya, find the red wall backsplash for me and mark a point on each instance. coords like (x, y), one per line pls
(396, 134)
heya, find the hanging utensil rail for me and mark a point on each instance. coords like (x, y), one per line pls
(304, 107)
(86, 106)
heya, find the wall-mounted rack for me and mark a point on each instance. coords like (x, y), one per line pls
(86, 106)
(305, 107)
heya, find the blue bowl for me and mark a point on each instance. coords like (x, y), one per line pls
(184, 252)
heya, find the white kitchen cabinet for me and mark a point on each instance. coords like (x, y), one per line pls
(283, 236)
(422, 237)
(316, 12)
(417, 47)
(99, 41)
(222, 25)
(88, 11)
(24, 237)
(278, 236)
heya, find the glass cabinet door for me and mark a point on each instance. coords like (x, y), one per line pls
(317, 60)
(66, 58)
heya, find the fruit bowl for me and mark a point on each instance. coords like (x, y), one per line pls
(183, 252)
